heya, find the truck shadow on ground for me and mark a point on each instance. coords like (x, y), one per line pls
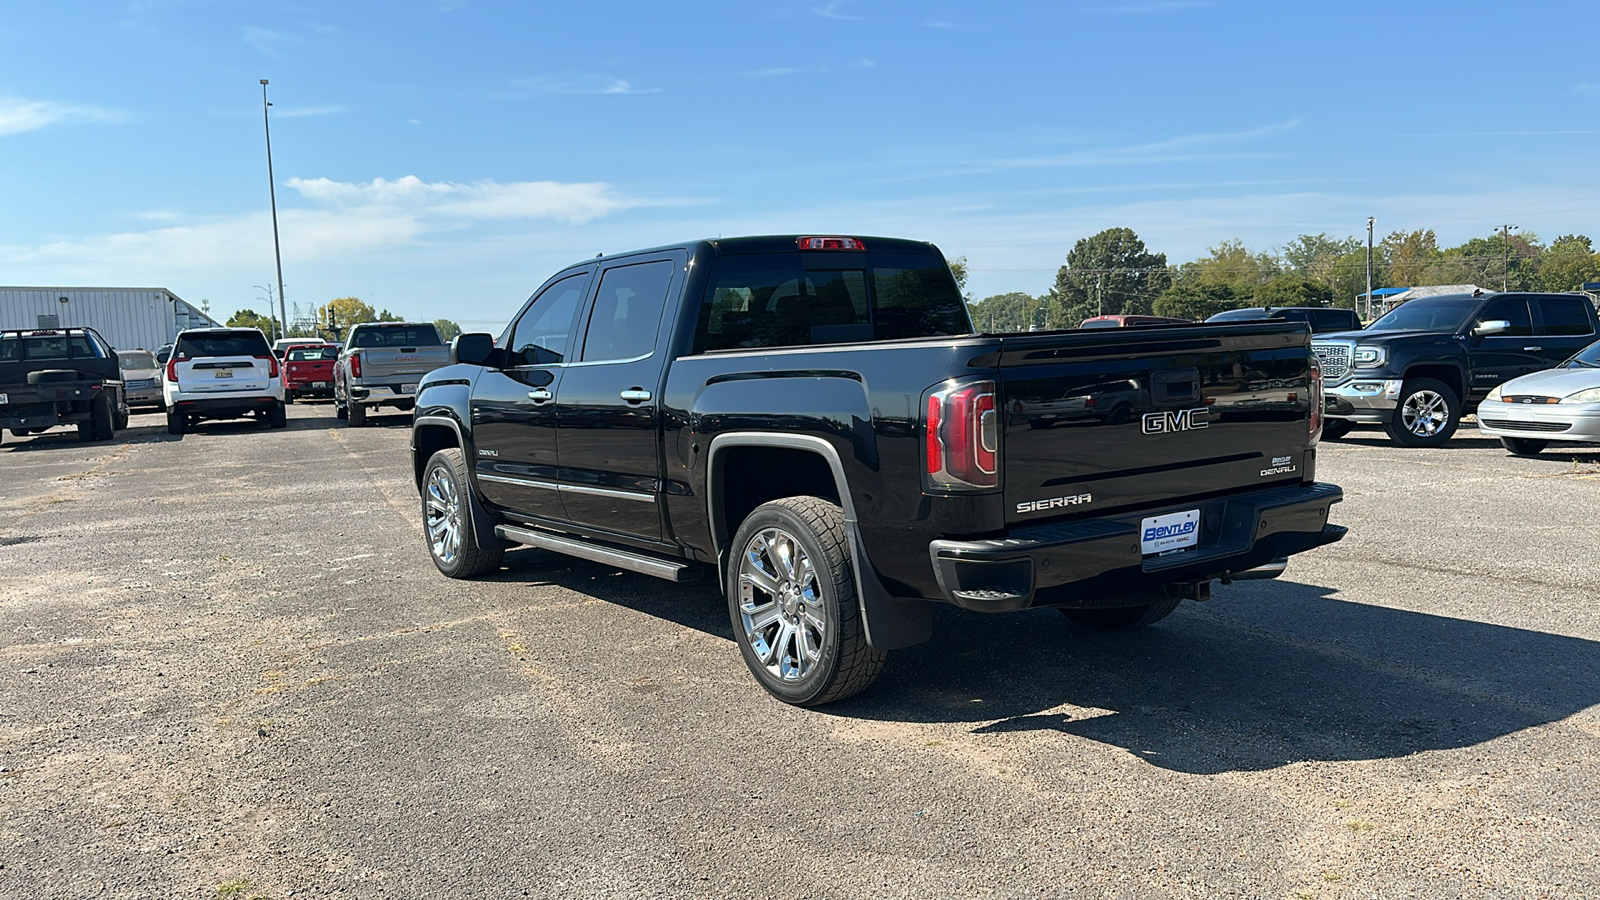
(1267, 674)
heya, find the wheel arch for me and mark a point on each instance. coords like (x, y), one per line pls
(891, 622)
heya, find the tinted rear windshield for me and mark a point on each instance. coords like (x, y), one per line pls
(398, 336)
(795, 299)
(231, 343)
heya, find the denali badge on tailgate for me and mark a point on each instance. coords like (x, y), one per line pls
(1028, 506)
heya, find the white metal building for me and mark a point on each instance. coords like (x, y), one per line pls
(129, 318)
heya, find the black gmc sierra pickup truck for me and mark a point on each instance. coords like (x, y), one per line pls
(1429, 361)
(814, 420)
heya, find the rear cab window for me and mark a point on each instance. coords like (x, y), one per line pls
(798, 299)
(222, 343)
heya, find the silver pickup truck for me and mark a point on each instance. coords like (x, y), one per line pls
(381, 364)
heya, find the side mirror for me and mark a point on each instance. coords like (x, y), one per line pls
(1493, 326)
(475, 349)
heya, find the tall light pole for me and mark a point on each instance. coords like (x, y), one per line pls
(1505, 240)
(1370, 222)
(272, 192)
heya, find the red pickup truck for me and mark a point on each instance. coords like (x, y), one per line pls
(308, 371)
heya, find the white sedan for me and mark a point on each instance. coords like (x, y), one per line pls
(1560, 404)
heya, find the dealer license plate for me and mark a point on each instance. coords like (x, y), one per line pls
(1173, 531)
(224, 373)
(408, 388)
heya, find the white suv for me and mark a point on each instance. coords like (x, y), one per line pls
(222, 373)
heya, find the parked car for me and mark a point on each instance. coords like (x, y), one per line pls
(1128, 321)
(60, 376)
(1427, 362)
(141, 377)
(814, 422)
(222, 373)
(1558, 405)
(308, 371)
(1320, 318)
(381, 365)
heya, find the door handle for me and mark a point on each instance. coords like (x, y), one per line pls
(635, 395)
(1533, 349)
(540, 396)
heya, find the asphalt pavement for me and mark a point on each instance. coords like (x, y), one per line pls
(229, 670)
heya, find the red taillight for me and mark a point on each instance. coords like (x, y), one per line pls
(829, 243)
(963, 436)
(355, 365)
(1316, 400)
(272, 365)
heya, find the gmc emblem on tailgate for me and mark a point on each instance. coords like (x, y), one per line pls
(1175, 420)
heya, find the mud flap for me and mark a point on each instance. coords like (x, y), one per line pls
(891, 622)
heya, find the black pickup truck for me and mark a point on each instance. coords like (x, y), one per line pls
(1427, 362)
(814, 420)
(51, 377)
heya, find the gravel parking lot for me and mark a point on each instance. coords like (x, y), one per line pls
(229, 670)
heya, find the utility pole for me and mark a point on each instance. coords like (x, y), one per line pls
(1370, 222)
(1505, 273)
(272, 193)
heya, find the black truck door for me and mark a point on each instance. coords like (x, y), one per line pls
(607, 412)
(514, 408)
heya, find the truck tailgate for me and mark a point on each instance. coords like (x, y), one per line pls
(1125, 417)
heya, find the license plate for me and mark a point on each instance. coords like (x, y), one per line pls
(1172, 531)
(224, 373)
(408, 388)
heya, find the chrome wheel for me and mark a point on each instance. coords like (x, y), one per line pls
(443, 505)
(781, 606)
(1425, 413)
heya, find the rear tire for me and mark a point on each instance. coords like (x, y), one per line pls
(449, 525)
(1153, 606)
(177, 422)
(1427, 414)
(792, 598)
(277, 416)
(358, 415)
(1523, 446)
(1335, 429)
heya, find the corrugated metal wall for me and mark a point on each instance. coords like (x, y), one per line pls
(130, 318)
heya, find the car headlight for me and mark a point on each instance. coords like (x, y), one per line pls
(1592, 395)
(1494, 394)
(1371, 357)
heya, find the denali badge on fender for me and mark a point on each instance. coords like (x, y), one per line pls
(1028, 506)
(1175, 420)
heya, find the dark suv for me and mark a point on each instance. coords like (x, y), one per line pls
(1429, 361)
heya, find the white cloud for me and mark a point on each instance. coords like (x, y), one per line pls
(18, 115)
(585, 84)
(574, 203)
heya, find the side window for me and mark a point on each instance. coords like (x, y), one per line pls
(540, 337)
(1565, 315)
(1513, 310)
(627, 311)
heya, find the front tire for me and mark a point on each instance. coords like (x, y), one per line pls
(1427, 414)
(1149, 608)
(1523, 446)
(448, 521)
(792, 599)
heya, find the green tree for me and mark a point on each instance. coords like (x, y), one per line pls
(1004, 313)
(1569, 263)
(1195, 300)
(1109, 273)
(249, 318)
(447, 329)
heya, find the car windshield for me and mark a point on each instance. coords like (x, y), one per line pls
(1587, 358)
(1442, 314)
(139, 360)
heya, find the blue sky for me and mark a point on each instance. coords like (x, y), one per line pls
(443, 157)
